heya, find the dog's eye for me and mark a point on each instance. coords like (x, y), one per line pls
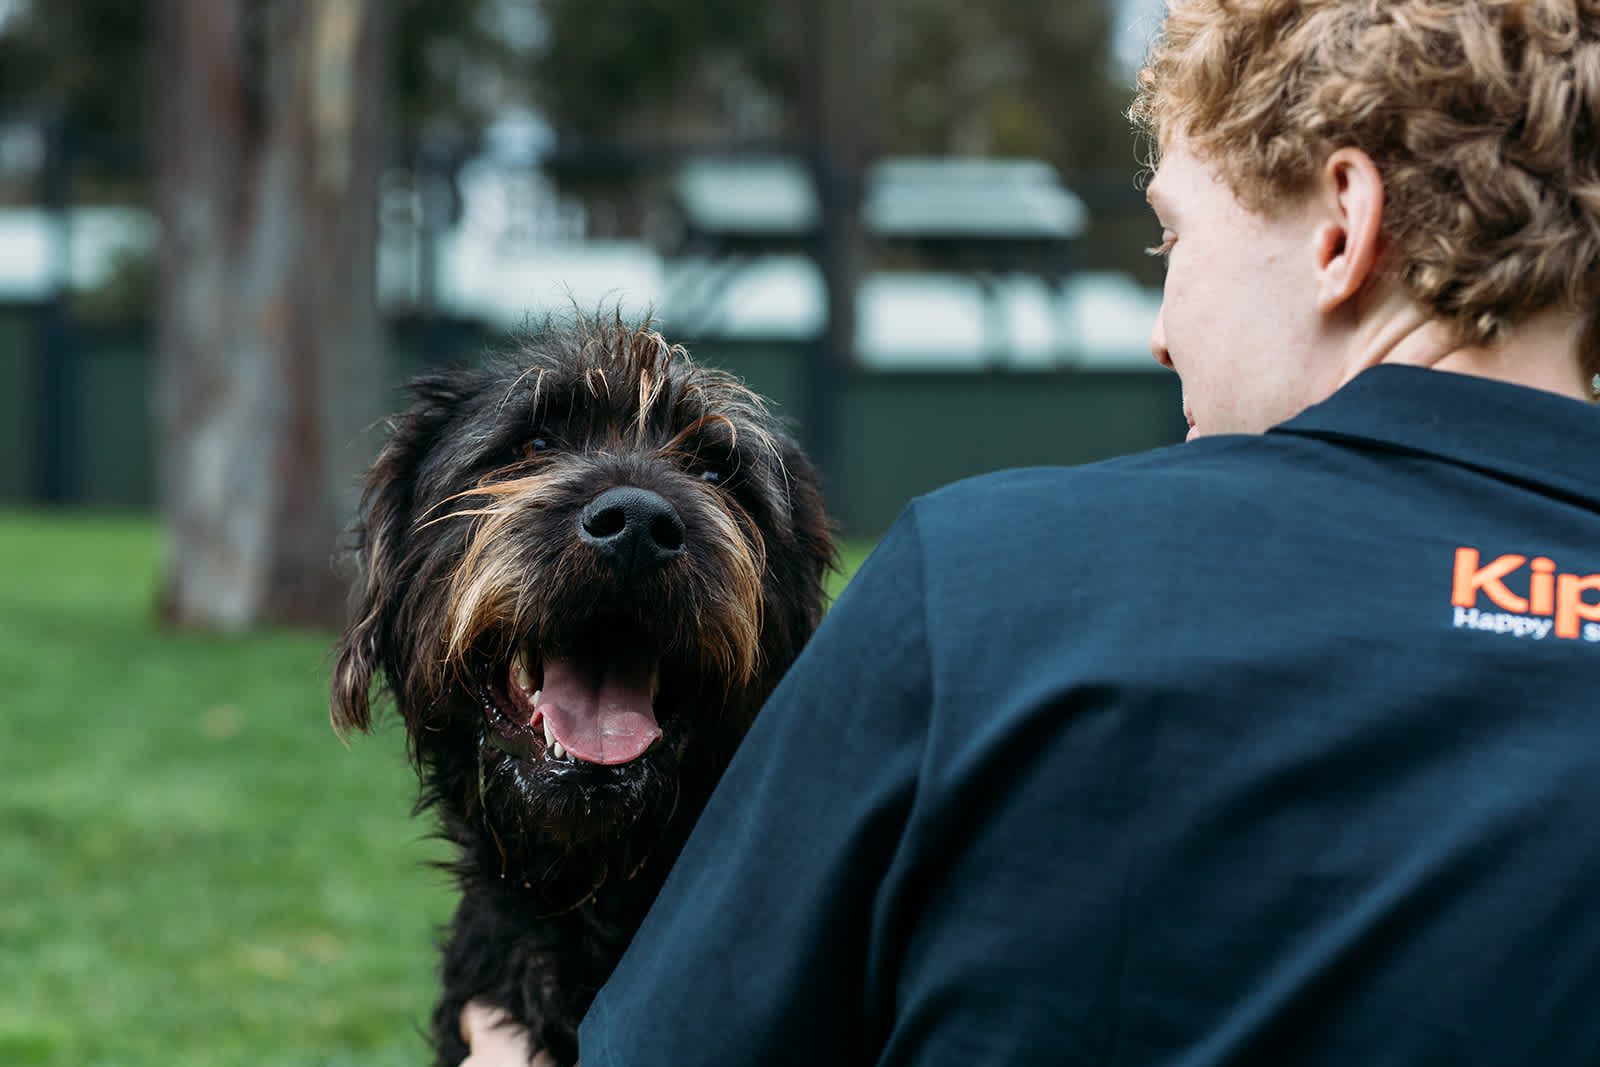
(714, 475)
(534, 447)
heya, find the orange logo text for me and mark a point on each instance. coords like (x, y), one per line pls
(1539, 600)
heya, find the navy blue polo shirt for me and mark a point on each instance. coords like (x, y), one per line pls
(1274, 749)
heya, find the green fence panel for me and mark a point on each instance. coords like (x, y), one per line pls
(19, 388)
(895, 434)
(904, 434)
(114, 432)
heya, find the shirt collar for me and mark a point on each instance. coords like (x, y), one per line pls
(1530, 435)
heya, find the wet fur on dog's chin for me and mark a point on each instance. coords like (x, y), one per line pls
(582, 569)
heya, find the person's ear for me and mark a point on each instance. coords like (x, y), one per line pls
(1349, 241)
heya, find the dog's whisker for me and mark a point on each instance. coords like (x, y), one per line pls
(537, 373)
(497, 488)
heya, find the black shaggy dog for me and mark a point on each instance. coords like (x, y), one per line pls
(584, 569)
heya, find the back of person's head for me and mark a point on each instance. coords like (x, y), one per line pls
(1483, 116)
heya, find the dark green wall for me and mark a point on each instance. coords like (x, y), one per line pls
(18, 387)
(114, 432)
(896, 434)
(902, 435)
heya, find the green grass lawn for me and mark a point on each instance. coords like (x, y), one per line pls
(193, 869)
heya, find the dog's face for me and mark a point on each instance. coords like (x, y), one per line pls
(584, 571)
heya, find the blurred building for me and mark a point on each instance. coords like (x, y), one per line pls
(972, 311)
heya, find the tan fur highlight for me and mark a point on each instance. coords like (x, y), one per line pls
(486, 599)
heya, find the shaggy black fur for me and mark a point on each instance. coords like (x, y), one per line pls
(633, 535)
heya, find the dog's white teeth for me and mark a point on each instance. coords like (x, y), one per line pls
(519, 671)
(550, 736)
(559, 752)
(537, 693)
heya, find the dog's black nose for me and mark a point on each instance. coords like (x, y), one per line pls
(636, 527)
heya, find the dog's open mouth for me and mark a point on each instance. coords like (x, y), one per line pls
(599, 711)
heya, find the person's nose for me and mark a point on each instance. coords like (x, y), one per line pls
(1158, 338)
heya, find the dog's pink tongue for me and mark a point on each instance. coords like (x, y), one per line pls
(606, 719)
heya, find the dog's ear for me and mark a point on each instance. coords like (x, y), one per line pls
(370, 647)
(359, 653)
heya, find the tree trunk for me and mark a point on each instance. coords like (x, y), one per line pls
(268, 332)
(837, 107)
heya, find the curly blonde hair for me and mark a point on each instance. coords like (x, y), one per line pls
(1483, 117)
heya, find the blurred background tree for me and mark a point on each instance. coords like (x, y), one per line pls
(867, 77)
(265, 124)
(932, 77)
(267, 157)
(1002, 77)
(88, 60)
(267, 129)
(450, 65)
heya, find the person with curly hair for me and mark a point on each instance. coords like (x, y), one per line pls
(1476, 128)
(1281, 746)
